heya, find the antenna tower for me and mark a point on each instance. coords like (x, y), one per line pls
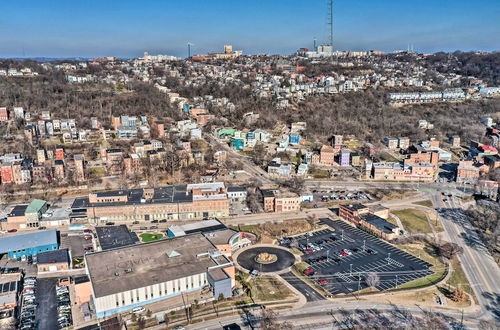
(329, 22)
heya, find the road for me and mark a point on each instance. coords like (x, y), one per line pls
(478, 264)
(302, 287)
(320, 312)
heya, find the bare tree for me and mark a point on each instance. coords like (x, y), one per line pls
(372, 279)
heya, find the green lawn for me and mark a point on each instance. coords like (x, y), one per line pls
(146, 237)
(426, 203)
(414, 221)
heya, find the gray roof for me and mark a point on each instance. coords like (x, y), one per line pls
(29, 240)
(52, 257)
(136, 266)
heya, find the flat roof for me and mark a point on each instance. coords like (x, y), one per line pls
(236, 188)
(28, 240)
(111, 237)
(18, 211)
(378, 222)
(132, 267)
(161, 195)
(222, 236)
(197, 227)
(354, 207)
(53, 257)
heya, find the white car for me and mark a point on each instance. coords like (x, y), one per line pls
(138, 310)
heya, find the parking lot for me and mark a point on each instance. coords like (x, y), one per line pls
(341, 258)
(340, 195)
(46, 313)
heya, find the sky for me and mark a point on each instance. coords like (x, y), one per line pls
(127, 28)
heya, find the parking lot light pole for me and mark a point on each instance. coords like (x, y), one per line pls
(359, 281)
(327, 255)
(350, 269)
(396, 281)
(364, 245)
(388, 258)
(342, 234)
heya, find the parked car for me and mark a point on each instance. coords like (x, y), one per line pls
(110, 223)
(138, 310)
(323, 281)
(12, 230)
(309, 271)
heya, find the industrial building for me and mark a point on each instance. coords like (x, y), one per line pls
(192, 201)
(132, 276)
(19, 246)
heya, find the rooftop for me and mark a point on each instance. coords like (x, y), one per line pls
(111, 237)
(35, 206)
(53, 257)
(354, 207)
(28, 240)
(197, 227)
(18, 211)
(378, 222)
(127, 268)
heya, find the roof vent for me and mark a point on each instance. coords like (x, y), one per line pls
(172, 254)
(117, 274)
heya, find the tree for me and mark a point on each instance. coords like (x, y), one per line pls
(269, 321)
(449, 250)
(458, 295)
(372, 280)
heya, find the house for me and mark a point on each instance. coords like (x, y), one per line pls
(391, 143)
(326, 155)
(344, 157)
(237, 193)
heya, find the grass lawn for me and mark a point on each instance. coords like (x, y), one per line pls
(426, 203)
(147, 237)
(414, 221)
(269, 288)
(458, 277)
(319, 173)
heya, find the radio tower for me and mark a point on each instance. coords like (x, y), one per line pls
(329, 22)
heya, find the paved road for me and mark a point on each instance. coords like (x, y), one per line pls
(319, 312)
(478, 264)
(46, 313)
(302, 287)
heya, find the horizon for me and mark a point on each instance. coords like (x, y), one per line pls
(124, 30)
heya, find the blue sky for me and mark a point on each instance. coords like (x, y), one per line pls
(125, 28)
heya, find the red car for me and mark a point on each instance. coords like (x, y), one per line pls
(309, 271)
(88, 231)
(343, 253)
(89, 248)
(309, 250)
(323, 281)
(12, 230)
(88, 238)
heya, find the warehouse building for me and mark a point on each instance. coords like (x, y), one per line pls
(19, 246)
(132, 276)
(193, 201)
